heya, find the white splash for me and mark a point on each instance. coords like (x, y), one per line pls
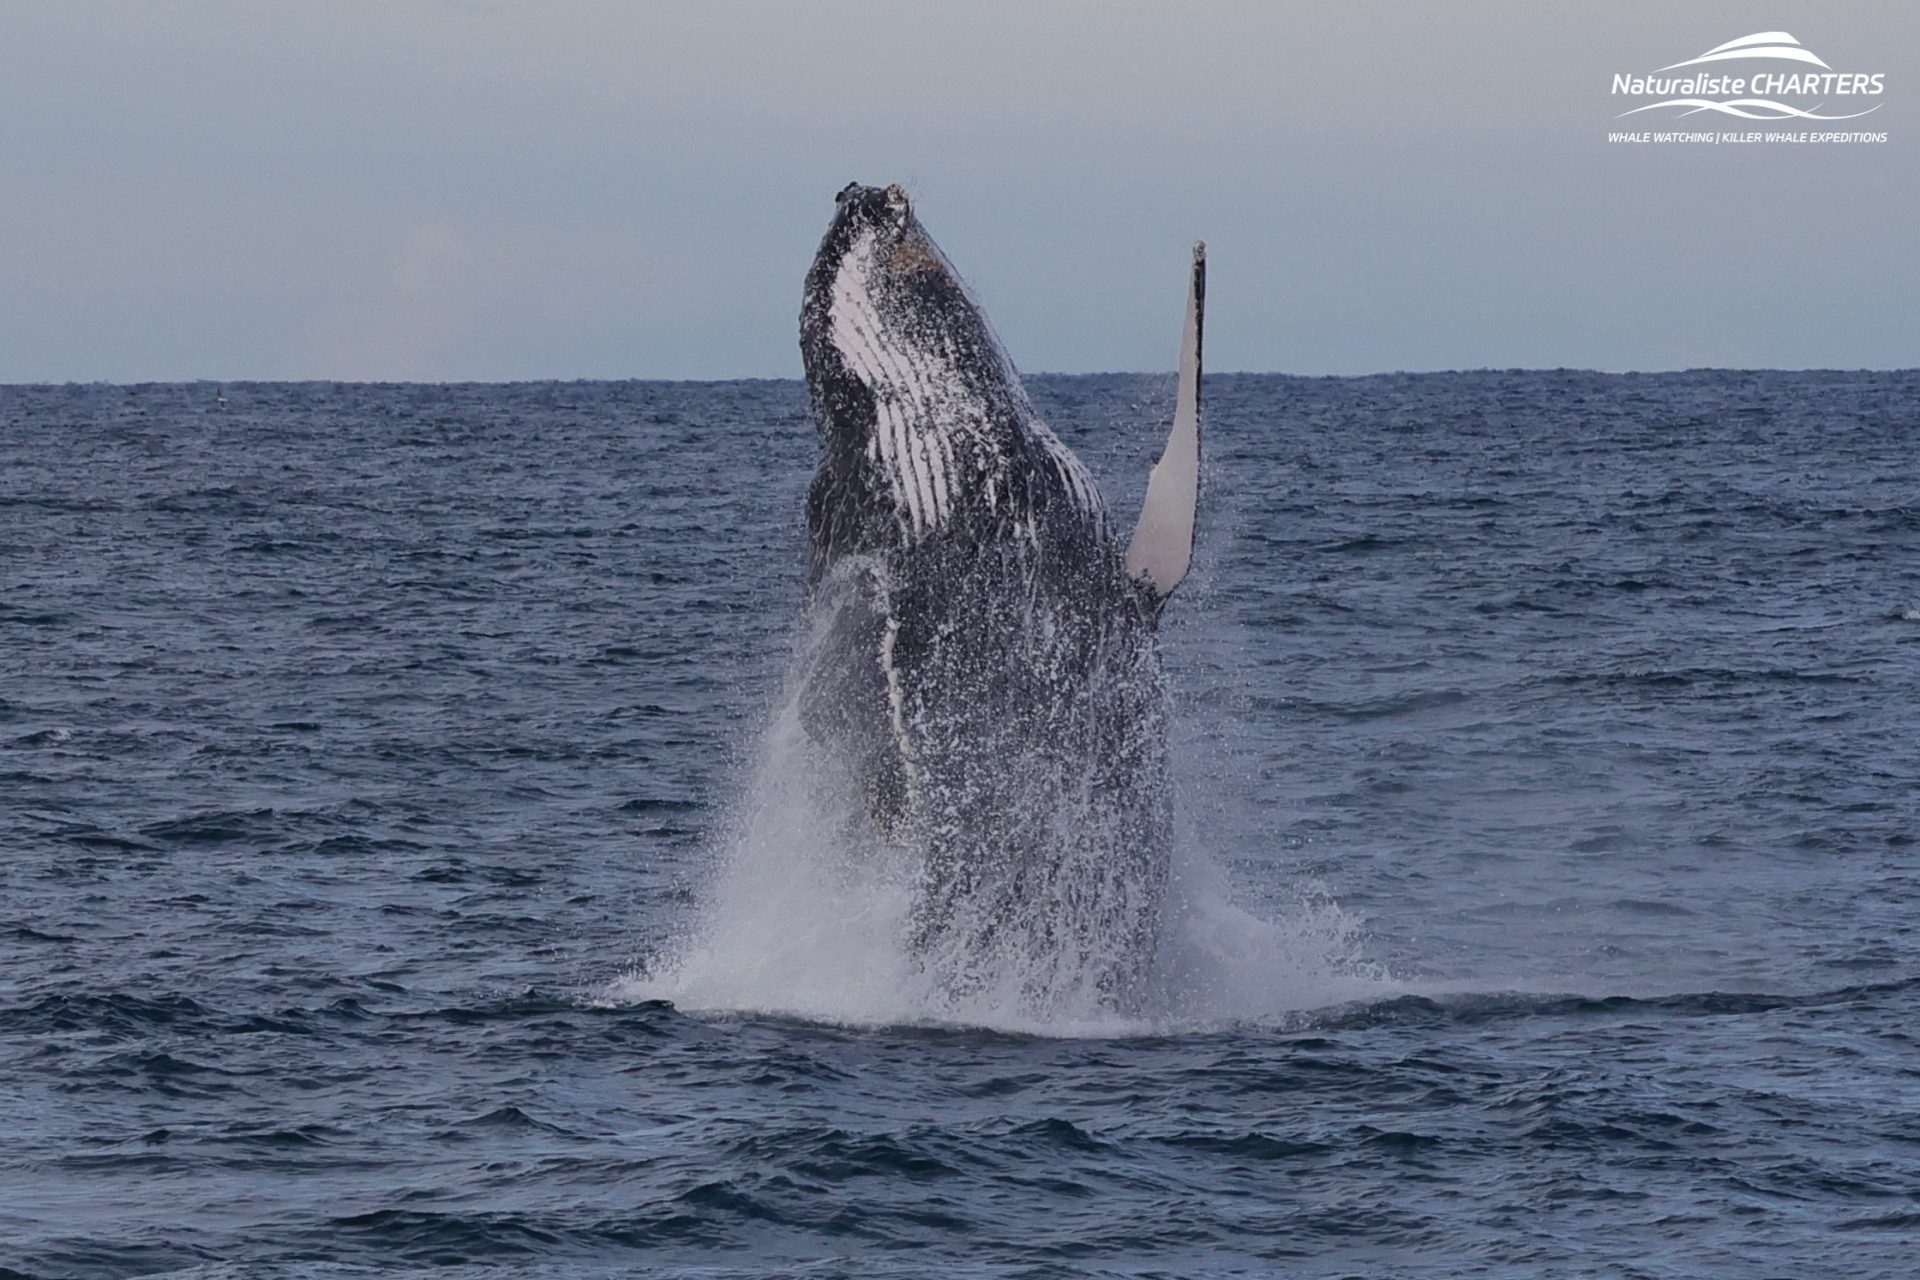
(805, 917)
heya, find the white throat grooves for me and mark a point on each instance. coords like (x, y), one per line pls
(907, 440)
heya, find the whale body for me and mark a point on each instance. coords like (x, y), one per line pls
(985, 672)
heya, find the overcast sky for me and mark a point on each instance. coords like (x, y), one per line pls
(436, 190)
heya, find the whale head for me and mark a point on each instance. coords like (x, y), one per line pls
(886, 323)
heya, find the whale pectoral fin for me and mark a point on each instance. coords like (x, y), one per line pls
(1162, 545)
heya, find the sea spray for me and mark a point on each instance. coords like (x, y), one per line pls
(808, 914)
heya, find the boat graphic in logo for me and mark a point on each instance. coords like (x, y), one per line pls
(1764, 44)
(1758, 95)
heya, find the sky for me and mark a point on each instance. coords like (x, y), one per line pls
(439, 190)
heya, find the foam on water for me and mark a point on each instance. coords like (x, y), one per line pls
(803, 918)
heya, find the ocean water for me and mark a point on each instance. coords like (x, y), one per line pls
(397, 871)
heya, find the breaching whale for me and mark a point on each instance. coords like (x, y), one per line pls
(985, 673)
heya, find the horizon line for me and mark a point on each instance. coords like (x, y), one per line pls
(1102, 373)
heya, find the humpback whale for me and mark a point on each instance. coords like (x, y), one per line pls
(985, 672)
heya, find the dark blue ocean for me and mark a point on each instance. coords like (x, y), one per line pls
(389, 882)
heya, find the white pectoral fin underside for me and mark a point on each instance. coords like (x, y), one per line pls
(1162, 545)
